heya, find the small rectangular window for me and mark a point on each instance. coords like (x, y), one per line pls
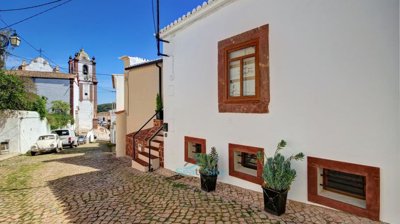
(194, 146)
(244, 164)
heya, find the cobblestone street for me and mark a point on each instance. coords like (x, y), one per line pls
(89, 185)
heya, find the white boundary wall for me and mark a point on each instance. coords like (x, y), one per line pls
(22, 130)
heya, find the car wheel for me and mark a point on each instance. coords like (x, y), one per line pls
(72, 145)
(57, 150)
(33, 153)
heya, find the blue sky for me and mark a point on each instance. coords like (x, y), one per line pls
(105, 29)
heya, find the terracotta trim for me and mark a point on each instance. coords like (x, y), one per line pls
(95, 99)
(372, 175)
(120, 112)
(258, 104)
(200, 141)
(71, 97)
(244, 176)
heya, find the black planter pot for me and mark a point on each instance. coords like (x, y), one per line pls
(208, 183)
(160, 115)
(275, 201)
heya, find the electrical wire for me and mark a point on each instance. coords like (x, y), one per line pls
(29, 7)
(37, 14)
(152, 12)
(45, 56)
(34, 48)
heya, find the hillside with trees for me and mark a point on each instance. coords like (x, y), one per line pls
(104, 107)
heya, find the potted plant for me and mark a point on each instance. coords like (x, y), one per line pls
(278, 176)
(159, 107)
(208, 164)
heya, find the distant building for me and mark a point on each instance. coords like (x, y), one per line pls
(49, 82)
(104, 119)
(78, 87)
(85, 98)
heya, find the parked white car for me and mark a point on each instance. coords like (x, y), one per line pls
(67, 137)
(47, 143)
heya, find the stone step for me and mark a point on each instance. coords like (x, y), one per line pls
(140, 165)
(158, 138)
(143, 166)
(154, 160)
(153, 150)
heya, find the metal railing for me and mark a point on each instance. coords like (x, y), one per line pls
(149, 145)
(137, 132)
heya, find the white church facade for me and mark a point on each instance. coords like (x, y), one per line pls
(85, 95)
(78, 87)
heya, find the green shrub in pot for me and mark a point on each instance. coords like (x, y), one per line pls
(208, 169)
(278, 177)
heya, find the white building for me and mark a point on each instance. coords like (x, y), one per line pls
(323, 75)
(119, 128)
(78, 87)
(85, 96)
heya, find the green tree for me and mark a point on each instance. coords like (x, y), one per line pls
(60, 107)
(38, 104)
(59, 117)
(13, 95)
(104, 107)
(17, 93)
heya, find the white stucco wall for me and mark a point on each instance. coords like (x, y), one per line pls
(22, 130)
(119, 92)
(84, 122)
(39, 64)
(334, 85)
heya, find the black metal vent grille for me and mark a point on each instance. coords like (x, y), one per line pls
(344, 183)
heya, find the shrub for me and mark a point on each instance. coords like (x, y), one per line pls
(159, 104)
(277, 173)
(208, 163)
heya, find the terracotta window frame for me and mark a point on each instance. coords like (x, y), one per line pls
(258, 38)
(372, 175)
(200, 141)
(249, 150)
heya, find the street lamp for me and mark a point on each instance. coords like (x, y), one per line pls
(7, 37)
(15, 40)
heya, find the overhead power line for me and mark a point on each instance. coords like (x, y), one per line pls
(29, 7)
(36, 49)
(44, 55)
(37, 14)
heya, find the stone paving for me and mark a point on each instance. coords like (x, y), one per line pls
(89, 185)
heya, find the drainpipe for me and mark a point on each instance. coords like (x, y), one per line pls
(159, 40)
(160, 81)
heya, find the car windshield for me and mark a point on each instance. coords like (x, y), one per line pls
(62, 132)
(46, 137)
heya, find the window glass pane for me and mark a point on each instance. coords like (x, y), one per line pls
(242, 52)
(234, 78)
(243, 163)
(249, 77)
